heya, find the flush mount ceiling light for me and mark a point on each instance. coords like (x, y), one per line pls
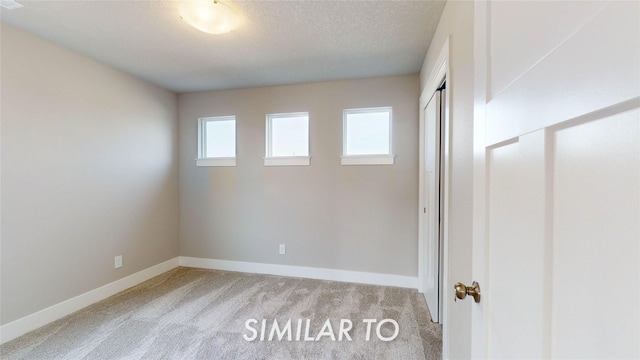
(10, 4)
(210, 16)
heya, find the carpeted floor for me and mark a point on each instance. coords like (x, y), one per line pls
(202, 314)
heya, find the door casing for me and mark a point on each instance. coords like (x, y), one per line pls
(438, 74)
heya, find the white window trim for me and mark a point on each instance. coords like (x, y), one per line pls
(285, 160)
(369, 159)
(216, 162)
(213, 161)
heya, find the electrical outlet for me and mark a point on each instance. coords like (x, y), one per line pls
(282, 249)
(118, 261)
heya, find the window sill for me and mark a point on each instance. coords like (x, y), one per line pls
(288, 161)
(368, 160)
(216, 162)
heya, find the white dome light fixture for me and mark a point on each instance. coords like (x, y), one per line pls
(210, 16)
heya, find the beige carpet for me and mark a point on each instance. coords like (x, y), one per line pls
(201, 314)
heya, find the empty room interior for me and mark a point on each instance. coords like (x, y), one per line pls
(227, 179)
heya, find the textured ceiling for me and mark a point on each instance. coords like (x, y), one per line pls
(280, 42)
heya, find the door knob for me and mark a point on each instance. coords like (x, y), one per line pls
(462, 291)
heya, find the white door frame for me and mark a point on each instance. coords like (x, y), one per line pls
(479, 343)
(437, 75)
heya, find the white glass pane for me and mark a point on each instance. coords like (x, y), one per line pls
(367, 133)
(290, 136)
(220, 139)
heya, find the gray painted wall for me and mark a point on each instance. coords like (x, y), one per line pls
(89, 171)
(361, 218)
(456, 24)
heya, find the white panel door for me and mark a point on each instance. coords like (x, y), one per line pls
(557, 181)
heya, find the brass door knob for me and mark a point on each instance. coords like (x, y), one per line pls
(462, 291)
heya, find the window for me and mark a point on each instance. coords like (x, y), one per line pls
(217, 141)
(367, 136)
(287, 139)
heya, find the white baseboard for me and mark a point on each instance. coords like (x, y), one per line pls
(303, 271)
(43, 317)
(31, 322)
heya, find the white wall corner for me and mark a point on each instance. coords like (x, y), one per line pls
(43, 317)
(410, 282)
